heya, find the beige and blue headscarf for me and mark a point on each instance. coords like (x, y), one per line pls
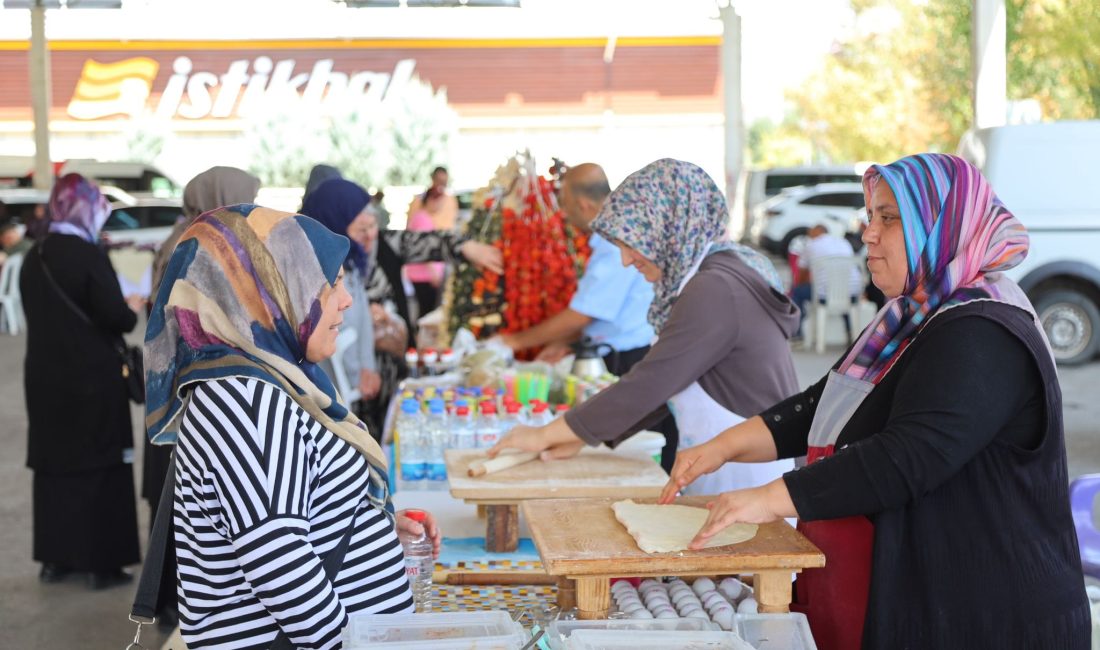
(240, 298)
(672, 212)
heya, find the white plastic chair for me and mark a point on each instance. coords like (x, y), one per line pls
(11, 302)
(344, 340)
(833, 276)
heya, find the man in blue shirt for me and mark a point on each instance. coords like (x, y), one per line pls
(611, 302)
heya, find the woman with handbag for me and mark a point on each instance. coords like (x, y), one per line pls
(342, 206)
(80, 440)
(275, 480)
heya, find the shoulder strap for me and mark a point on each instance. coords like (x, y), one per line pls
(148, 598)
(57, 287)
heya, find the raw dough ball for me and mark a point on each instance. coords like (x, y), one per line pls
(698, 613)
(684, 597)
(731, 588)
(649, 582)
(668, 613)
(635, 607)
(641, 613)
(662, 609)
(691, 609)
(703, 585)
(747, 606)
(622, 585)
(712, 597)
(724, 619)
(719, 607)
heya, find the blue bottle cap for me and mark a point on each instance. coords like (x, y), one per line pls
(436, 406)
(410, 407)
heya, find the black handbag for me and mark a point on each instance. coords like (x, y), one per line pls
(133, 364)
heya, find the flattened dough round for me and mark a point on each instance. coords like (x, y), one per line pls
(665, 529)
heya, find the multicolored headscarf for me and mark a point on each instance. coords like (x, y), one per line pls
(672, 212)
(336, 203)
(959, 238)
(240, 298)
(77, 207)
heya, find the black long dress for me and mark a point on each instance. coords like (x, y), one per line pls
(80, 438)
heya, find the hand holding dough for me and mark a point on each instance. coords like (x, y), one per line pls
(663, 529)
(484, 466)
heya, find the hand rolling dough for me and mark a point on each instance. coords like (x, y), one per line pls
(663, 529)
(506, 459)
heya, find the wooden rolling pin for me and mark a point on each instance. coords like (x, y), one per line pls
(484, 466)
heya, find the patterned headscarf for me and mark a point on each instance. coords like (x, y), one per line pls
(959, 237)
(240, 298)
(672, 213)
(336, 203)
(77, 207)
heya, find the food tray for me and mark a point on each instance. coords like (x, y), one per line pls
(443, 631)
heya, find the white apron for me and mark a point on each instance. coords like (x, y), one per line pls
(699, 419)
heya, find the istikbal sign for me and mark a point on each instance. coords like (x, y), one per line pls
(125, 87)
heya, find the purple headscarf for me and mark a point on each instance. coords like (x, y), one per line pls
(77, 207)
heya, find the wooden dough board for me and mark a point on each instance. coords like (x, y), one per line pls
(581, 537)
(591, 473)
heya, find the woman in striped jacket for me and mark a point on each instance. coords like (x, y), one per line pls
(272, 471)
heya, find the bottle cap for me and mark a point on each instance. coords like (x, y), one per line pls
(410, 406)
(462, 409)
(488, 408)
(411, 355)
(436, 406)
(418, 516)
(562, 408)
(512, 408)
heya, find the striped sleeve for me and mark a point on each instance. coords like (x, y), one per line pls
(253, 443)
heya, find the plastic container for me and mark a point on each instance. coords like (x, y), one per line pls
(463, 432)
(655, 640)
(511, 417)
(419, 563)
(488, 427)
(559, 631)
(412, 360)
(776, 631)
(449, 631)
(410, 443)
(431, 362)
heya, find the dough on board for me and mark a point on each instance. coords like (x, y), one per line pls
(665, 529)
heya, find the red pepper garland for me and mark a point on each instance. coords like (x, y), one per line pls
(543, 259)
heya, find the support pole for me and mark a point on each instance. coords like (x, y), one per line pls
(40, 97)
(731, 100)
(988, 59)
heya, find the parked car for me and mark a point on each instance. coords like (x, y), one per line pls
(138, 179)
(140, 223)
(20, 203)
(759, 185)
(795, 210)
(1046, 174)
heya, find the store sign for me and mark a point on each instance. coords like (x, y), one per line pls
(125, 87)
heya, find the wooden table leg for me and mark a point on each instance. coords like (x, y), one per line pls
(482, 511)
(773, 591)
(502, 532)
(593, 598)
(567, 594)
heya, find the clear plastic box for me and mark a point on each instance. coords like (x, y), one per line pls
(654, 640)
(558, 632)
(442, 631)
(776, 631)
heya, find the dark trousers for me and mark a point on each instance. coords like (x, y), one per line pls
(427, 297)
(619, 364)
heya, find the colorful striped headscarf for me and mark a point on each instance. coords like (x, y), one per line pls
(671, 212)
(77, 207)
(959, 238)
(240, 298)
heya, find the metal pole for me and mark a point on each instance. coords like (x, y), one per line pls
(40, 97)
(731, 96)
(988, 59)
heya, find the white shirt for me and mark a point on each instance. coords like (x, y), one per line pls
(830, 246)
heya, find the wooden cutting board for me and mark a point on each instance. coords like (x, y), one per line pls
(591, 473)
(579, 537)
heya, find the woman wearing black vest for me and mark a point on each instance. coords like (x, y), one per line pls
(936, 484)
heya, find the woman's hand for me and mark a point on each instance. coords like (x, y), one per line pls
(554, 352)
(554, 441)
(483, 256)
(759, 505)
(136, 303)
(370, 382)
(406, 525)
(690, 464)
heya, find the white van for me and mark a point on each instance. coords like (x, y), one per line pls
(759, 185)
(1047, 175)
(138, 179)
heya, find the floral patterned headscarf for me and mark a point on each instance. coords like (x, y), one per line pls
(241, 297)
(77, 207)
(672, 212)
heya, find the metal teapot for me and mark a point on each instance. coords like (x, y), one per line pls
(589, 361)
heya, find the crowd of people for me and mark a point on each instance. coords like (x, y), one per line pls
(929, 464)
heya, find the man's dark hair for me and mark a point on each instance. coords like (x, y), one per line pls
(440, 169)
(595, 190)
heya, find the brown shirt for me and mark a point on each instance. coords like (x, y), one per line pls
(728, 330)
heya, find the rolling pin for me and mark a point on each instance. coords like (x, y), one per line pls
(484, 466)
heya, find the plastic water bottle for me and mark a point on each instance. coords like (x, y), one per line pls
(463, 432)
(411, 448)
(412, 360)
(436, 437)
(510, 419)
(419, 563)
(540, 414)
(431, 362)
(488, 427)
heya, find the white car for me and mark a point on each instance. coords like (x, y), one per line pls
(139, 222)
(795, 210)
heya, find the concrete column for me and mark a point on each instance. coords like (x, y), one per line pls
(731, 97)
(40, 97)
(988, 57)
